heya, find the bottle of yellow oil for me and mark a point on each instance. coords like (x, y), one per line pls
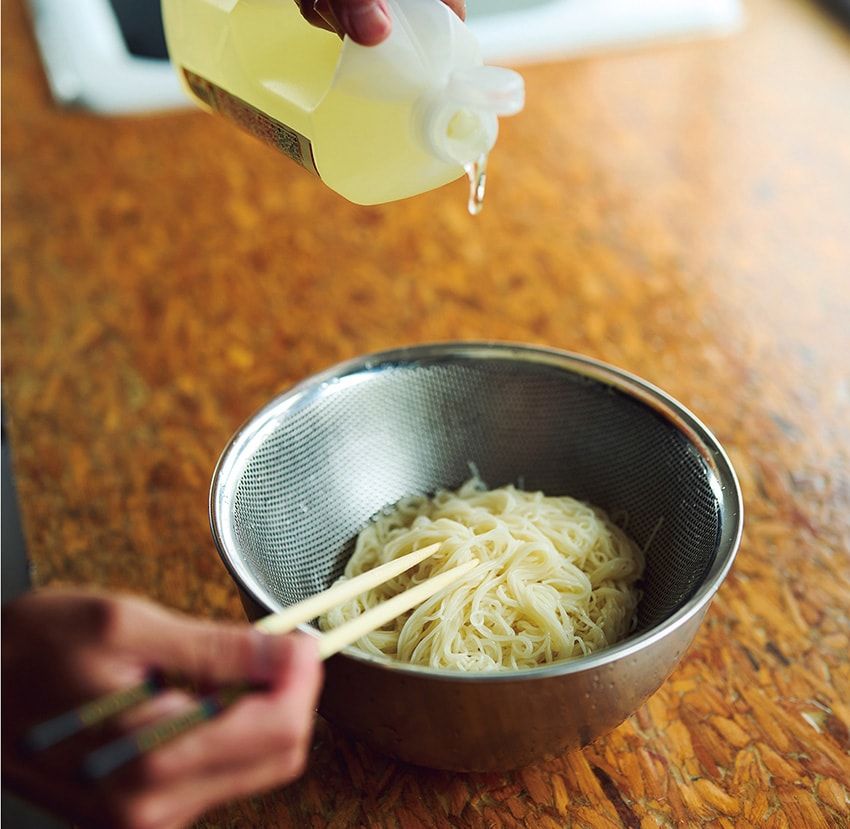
(375, 123)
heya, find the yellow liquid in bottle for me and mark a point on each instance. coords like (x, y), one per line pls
(264, 54)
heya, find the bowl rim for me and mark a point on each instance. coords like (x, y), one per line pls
(724, 481)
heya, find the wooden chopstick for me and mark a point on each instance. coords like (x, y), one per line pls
(110, 757)
(59, 728)
(289, 618)
(107, 759)
(335, 640)
(117, 753)
(53, 731)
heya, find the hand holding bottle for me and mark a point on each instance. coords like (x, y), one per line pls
(404, 105)
(365, 21)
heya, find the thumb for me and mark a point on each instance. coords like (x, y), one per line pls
(207, 652)
(218, 654)
(365, 21)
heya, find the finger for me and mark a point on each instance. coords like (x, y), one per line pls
(207, 652)
(312, 16)
(182, 805)
(165, 705)
(63, 614)
(263, 724)
(325, 11)
(278, 722)
(260, 743)
(263, 740)
(458, 7)
(366, 22)
(178, 804)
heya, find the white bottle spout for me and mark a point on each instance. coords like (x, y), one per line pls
(459, 122)
(489, 88)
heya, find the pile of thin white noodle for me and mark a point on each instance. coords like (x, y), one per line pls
(556, 579)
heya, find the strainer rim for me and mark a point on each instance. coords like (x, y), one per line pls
(698, 435)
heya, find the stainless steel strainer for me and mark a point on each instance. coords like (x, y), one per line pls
(304, 475)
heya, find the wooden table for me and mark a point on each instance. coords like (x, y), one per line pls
(683, 213)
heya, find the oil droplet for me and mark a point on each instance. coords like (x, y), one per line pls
(477, 173)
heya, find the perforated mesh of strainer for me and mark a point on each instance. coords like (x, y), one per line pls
(288, 503)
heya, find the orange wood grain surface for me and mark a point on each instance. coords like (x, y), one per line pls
(683, 213)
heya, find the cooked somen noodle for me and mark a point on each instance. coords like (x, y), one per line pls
(556, 579)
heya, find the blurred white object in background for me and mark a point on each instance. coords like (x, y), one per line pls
(88, 62)
(525, 31)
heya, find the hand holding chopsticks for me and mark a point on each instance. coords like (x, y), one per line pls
(117, 753)
(61, 646)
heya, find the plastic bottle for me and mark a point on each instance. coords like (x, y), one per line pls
(376, 123)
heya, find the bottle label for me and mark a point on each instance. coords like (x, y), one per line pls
(252, 120)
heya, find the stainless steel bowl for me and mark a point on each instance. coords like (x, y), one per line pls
(303, 476)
